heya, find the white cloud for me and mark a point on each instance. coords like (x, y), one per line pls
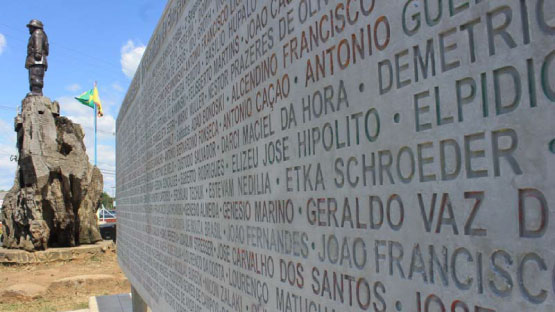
(105, 125)
(7, 149)
(106, 155)
(70, 106)
(7, 167)
(73, 87)
(7, 152)
(7, 129)
(83, 115)
(78, 112)
(3, 43)
(131, 57)
(116, 86)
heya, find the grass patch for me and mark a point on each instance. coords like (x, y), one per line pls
(39, 306)
(10, 307)
(83, 305)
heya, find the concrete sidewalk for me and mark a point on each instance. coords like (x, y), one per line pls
(114, 303)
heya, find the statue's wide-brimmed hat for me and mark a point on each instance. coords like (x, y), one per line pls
(35, 23)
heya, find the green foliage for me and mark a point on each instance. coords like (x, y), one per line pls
(40, 305)
(107, 201)
(82, 305)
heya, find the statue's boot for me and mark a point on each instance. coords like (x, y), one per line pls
(36, 80)
(35, 91)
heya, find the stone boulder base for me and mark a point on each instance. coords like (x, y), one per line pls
(57, 191)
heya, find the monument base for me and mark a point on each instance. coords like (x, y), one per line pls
(18, 257)
(139, 305)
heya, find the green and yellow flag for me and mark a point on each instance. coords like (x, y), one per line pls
(91, 98)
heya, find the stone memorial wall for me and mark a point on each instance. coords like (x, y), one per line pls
(348, 155)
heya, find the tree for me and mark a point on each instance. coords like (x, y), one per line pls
(107, 201)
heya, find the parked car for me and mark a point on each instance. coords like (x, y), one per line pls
(108, 231)
(106, 216)
(107, 223)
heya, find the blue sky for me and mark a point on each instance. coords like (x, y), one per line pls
(99, 40)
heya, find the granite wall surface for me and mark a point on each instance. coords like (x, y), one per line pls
(349, 155)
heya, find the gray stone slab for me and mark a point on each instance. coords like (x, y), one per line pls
(114, 303)
(349, 155)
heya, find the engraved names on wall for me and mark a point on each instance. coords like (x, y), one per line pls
(349, 155)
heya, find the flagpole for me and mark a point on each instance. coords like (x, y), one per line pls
(95, 116)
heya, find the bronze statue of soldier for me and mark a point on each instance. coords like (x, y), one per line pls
(37, 52)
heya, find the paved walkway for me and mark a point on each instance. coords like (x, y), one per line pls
(114, 303)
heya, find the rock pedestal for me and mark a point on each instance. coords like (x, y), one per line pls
(57, 191)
